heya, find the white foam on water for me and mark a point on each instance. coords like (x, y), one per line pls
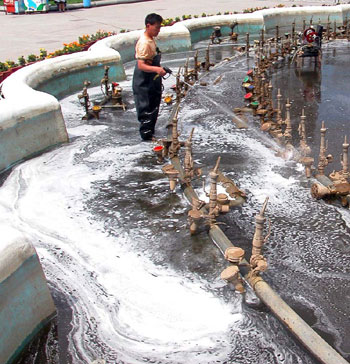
(126, 307)
(135, 308)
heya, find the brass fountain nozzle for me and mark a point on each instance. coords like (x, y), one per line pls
(258, 263)
(234, 254)
(307, 162)
(223, 201)
(231, 274)
(172, 174)
(214, 206)
(175, 144)
(195, 215)
(258, 239)
(323, 159)
(190, 171)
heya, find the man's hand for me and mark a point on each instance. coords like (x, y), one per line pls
(144, 66)
(161, 71)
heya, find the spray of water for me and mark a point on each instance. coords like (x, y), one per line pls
(270, 142)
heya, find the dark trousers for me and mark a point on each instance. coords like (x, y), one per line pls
(147, 108)
(147, 89)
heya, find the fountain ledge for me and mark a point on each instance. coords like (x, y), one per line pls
(26, 305)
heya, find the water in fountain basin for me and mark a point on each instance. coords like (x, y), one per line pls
(114, 242)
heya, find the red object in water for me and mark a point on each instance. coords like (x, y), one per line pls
(158, 148)
(250, 72)
(248, 96)
(309, 35)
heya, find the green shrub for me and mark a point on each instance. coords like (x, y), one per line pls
(21, 61)
(10, 64)
(32, 58)
(3, 67)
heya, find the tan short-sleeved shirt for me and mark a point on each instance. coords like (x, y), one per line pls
(145, 48)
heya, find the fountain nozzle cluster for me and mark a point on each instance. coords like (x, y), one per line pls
(84, 99)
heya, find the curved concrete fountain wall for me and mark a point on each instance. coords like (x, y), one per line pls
(30, 115)
(171, 39)
(31, 121)
(26, 304)
(285, 17)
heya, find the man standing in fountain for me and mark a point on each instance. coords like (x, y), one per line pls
(147, 80)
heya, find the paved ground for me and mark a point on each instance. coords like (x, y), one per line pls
(25, 34)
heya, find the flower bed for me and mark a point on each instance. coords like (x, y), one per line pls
(83, 43)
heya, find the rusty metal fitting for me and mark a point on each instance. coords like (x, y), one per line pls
(253, 279)
(329, 158)
(214, 208)
(84, 100)
(190, 171)
(172, 174)
(207, 59)
(336, 176)
(323, 160)
(258, 263)
(194, 216)
(344, 160)
(117, 98)
(197, 204)
(224, 208)
(175, 143)
(279, 110)
(105, 82)
(234, 254)
(338, 188)
(222, 199)
(231, 275)
(319, 191)
(287, 122)
(231, 189)
(258, 239)
(307, 162)
(215, 35)
(261, 112)
(266, 126)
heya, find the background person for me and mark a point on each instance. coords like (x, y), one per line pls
(147, 80)
(61, 4)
